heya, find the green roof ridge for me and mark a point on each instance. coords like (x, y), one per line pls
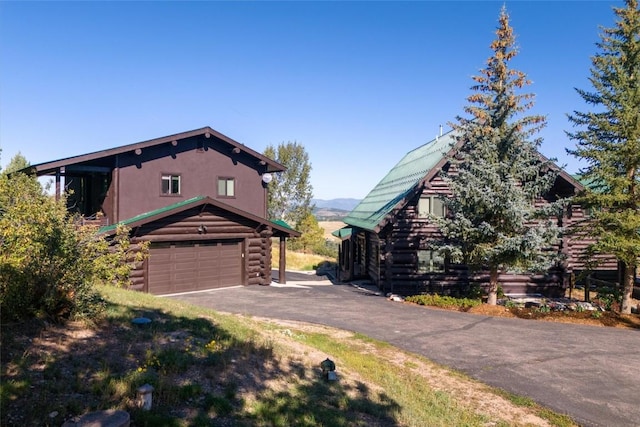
(145, 215)
(399, 181)
(281, 223)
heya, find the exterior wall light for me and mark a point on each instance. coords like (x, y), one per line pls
(266, 178)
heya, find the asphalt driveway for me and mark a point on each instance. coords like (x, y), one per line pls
(590, 373)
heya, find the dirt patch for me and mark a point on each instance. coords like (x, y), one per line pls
(593, 318)
(584, 317)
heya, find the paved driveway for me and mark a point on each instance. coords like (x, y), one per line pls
(590, 373)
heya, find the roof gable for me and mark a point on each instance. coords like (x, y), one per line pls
(416, 167)
(207, 132)
(399, 182)
(279, 227)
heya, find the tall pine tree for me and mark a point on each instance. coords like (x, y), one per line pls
(608, 139)
(496, 173)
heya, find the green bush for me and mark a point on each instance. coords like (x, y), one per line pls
(48, 262)
(326, 248)
(608, 296)
(444, 301)
(475, 292)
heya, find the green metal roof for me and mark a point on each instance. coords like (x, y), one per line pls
(146, 215)
(282, 223)
(399, 182)
(342, 233)
(591, 184)
(279, 226)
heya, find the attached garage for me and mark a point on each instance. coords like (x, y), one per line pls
(188, 266)
(202, 244)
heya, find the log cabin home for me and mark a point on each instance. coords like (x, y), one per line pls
(198, 197)
(386, 238)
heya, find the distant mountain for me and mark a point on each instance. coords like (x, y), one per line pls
(338, 204)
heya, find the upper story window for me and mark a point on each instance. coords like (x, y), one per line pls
(431, 205)
(170, 185)
(226, 187)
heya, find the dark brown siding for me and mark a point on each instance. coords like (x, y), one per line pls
(187, 241)
(139, 181)
(407, 233)
(192, 266)
(373, 258)
(576, 246)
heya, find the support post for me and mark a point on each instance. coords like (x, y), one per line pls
(282, 263)
(57, 184)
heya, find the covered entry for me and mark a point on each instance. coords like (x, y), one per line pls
(194, 266)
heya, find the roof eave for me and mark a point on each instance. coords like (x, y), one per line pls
(51, 167)
(202, 201)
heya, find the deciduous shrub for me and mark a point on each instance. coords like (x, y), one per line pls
(48, 262)
(444, 301)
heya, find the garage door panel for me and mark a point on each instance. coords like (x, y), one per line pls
(188, 266)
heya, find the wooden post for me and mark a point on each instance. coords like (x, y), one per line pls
(388, 264)
(283, 261)
(572, 282)
(587, 289)
(57, 184)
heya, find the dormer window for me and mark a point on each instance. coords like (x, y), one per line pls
(170, 185)
(226, 187)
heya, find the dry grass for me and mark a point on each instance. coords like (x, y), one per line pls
(211, 369)
(299, 261)
(329, 227)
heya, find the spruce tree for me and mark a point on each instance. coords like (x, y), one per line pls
(496, 173)
(608, 139)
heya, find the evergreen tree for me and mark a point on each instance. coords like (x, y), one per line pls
(608, 139)
(496, 173)
(18, 162)
(289, 193)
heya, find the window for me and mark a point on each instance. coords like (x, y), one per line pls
(226, 187)
(170, 185)
(431, 205)
(430, 262)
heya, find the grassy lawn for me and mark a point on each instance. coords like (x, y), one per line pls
(209, 369)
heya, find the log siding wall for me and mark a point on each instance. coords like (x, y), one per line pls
(393, 254)
(220, 226)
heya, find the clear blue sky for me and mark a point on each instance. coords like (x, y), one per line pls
(357, 83)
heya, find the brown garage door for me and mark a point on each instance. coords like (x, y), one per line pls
(194, 266)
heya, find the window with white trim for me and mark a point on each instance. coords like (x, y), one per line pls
(170, 185)
(226, 187)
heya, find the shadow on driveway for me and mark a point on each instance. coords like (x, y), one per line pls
(590, 373)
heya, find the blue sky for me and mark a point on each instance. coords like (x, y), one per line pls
(358, 83)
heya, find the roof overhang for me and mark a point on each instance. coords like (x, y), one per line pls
(343, 233)
(75, 163)
(279, 230)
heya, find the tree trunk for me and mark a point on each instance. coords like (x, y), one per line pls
(627, 288)
(493, 287)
